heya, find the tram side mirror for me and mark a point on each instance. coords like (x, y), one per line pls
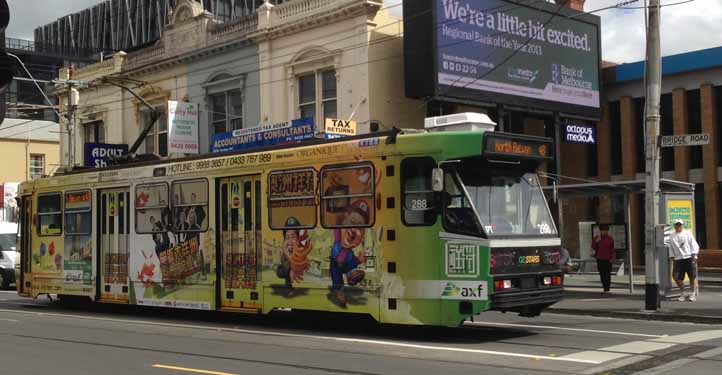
(437, 180)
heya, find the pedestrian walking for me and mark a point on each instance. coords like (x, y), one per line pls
(683, 249)
(603, 245)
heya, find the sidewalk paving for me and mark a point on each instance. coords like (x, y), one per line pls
(583, 296)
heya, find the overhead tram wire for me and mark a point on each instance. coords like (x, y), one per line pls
(354, 47)
(346, 49)
(390, 38)
(618, 6)
(357, 64)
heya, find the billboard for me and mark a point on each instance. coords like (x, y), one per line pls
(502, 51)
(264, 135)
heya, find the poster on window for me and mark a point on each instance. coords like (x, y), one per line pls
(182, 127)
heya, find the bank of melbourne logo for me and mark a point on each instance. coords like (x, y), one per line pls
(555, 73)
(524, 75)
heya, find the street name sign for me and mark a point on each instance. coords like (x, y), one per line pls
(685, 140)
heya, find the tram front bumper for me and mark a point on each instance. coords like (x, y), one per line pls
(527, 296)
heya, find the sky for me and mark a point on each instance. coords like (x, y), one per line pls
(685, 27)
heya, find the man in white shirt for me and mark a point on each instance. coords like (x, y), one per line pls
(683, 248)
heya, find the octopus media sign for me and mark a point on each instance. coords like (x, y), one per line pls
(501, 51)
(580, 133)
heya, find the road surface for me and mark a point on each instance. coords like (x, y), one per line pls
(49, 338)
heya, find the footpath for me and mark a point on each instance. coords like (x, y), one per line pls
(583, 296)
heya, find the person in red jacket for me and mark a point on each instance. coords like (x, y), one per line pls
(603, 246)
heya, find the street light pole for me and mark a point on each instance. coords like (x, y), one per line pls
(653, 81)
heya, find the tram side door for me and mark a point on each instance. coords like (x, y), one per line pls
(25, 244)
(114, 227)
(239, 235)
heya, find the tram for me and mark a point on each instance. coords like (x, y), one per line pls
(423, 228)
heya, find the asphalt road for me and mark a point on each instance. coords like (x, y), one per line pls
(40, 337)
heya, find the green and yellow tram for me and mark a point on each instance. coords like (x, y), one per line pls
(421, 228)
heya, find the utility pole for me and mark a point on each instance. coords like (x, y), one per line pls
(73, 99)
(653, 81)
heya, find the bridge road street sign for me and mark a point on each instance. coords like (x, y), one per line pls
(685, 140)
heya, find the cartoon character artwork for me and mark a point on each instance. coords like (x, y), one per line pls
(294, 258)
(344, 261)
(147, 271)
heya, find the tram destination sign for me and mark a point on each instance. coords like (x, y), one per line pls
(517, 146)
(685, 140)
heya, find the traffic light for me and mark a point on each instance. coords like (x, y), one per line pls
(6, 64)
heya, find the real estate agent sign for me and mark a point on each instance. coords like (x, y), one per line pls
(183, 127)
(502, 47)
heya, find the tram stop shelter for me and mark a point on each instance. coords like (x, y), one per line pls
(627, 189)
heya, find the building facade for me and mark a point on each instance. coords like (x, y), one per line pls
(29, 149)
(125, 25)
(334, 59)
(196, 60)
(691, 102)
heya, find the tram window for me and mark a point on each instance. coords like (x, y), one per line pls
(348, 196)
(50, 214)
(292, 199)
(152, 214)
(77, 213)
(416, 192)
(190, 206)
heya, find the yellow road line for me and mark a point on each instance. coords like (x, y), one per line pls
(197, 371)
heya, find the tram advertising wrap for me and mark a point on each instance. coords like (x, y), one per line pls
(504, 52)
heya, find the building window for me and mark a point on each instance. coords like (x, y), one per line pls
(639, 135)
(37, 166)
(156, 141)
(615, 127)
(226, 111)
(317, 95)
(667, 128)
(694, 121)
(94, 132)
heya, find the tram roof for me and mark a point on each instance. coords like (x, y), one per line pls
(312, 142)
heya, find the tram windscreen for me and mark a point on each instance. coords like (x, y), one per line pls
(508, 202)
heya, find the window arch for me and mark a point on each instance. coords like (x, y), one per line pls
(156, 141)
(315, 77)
(225, 102)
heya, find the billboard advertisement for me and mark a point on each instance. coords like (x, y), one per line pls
(264, 135)
(500, 51)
